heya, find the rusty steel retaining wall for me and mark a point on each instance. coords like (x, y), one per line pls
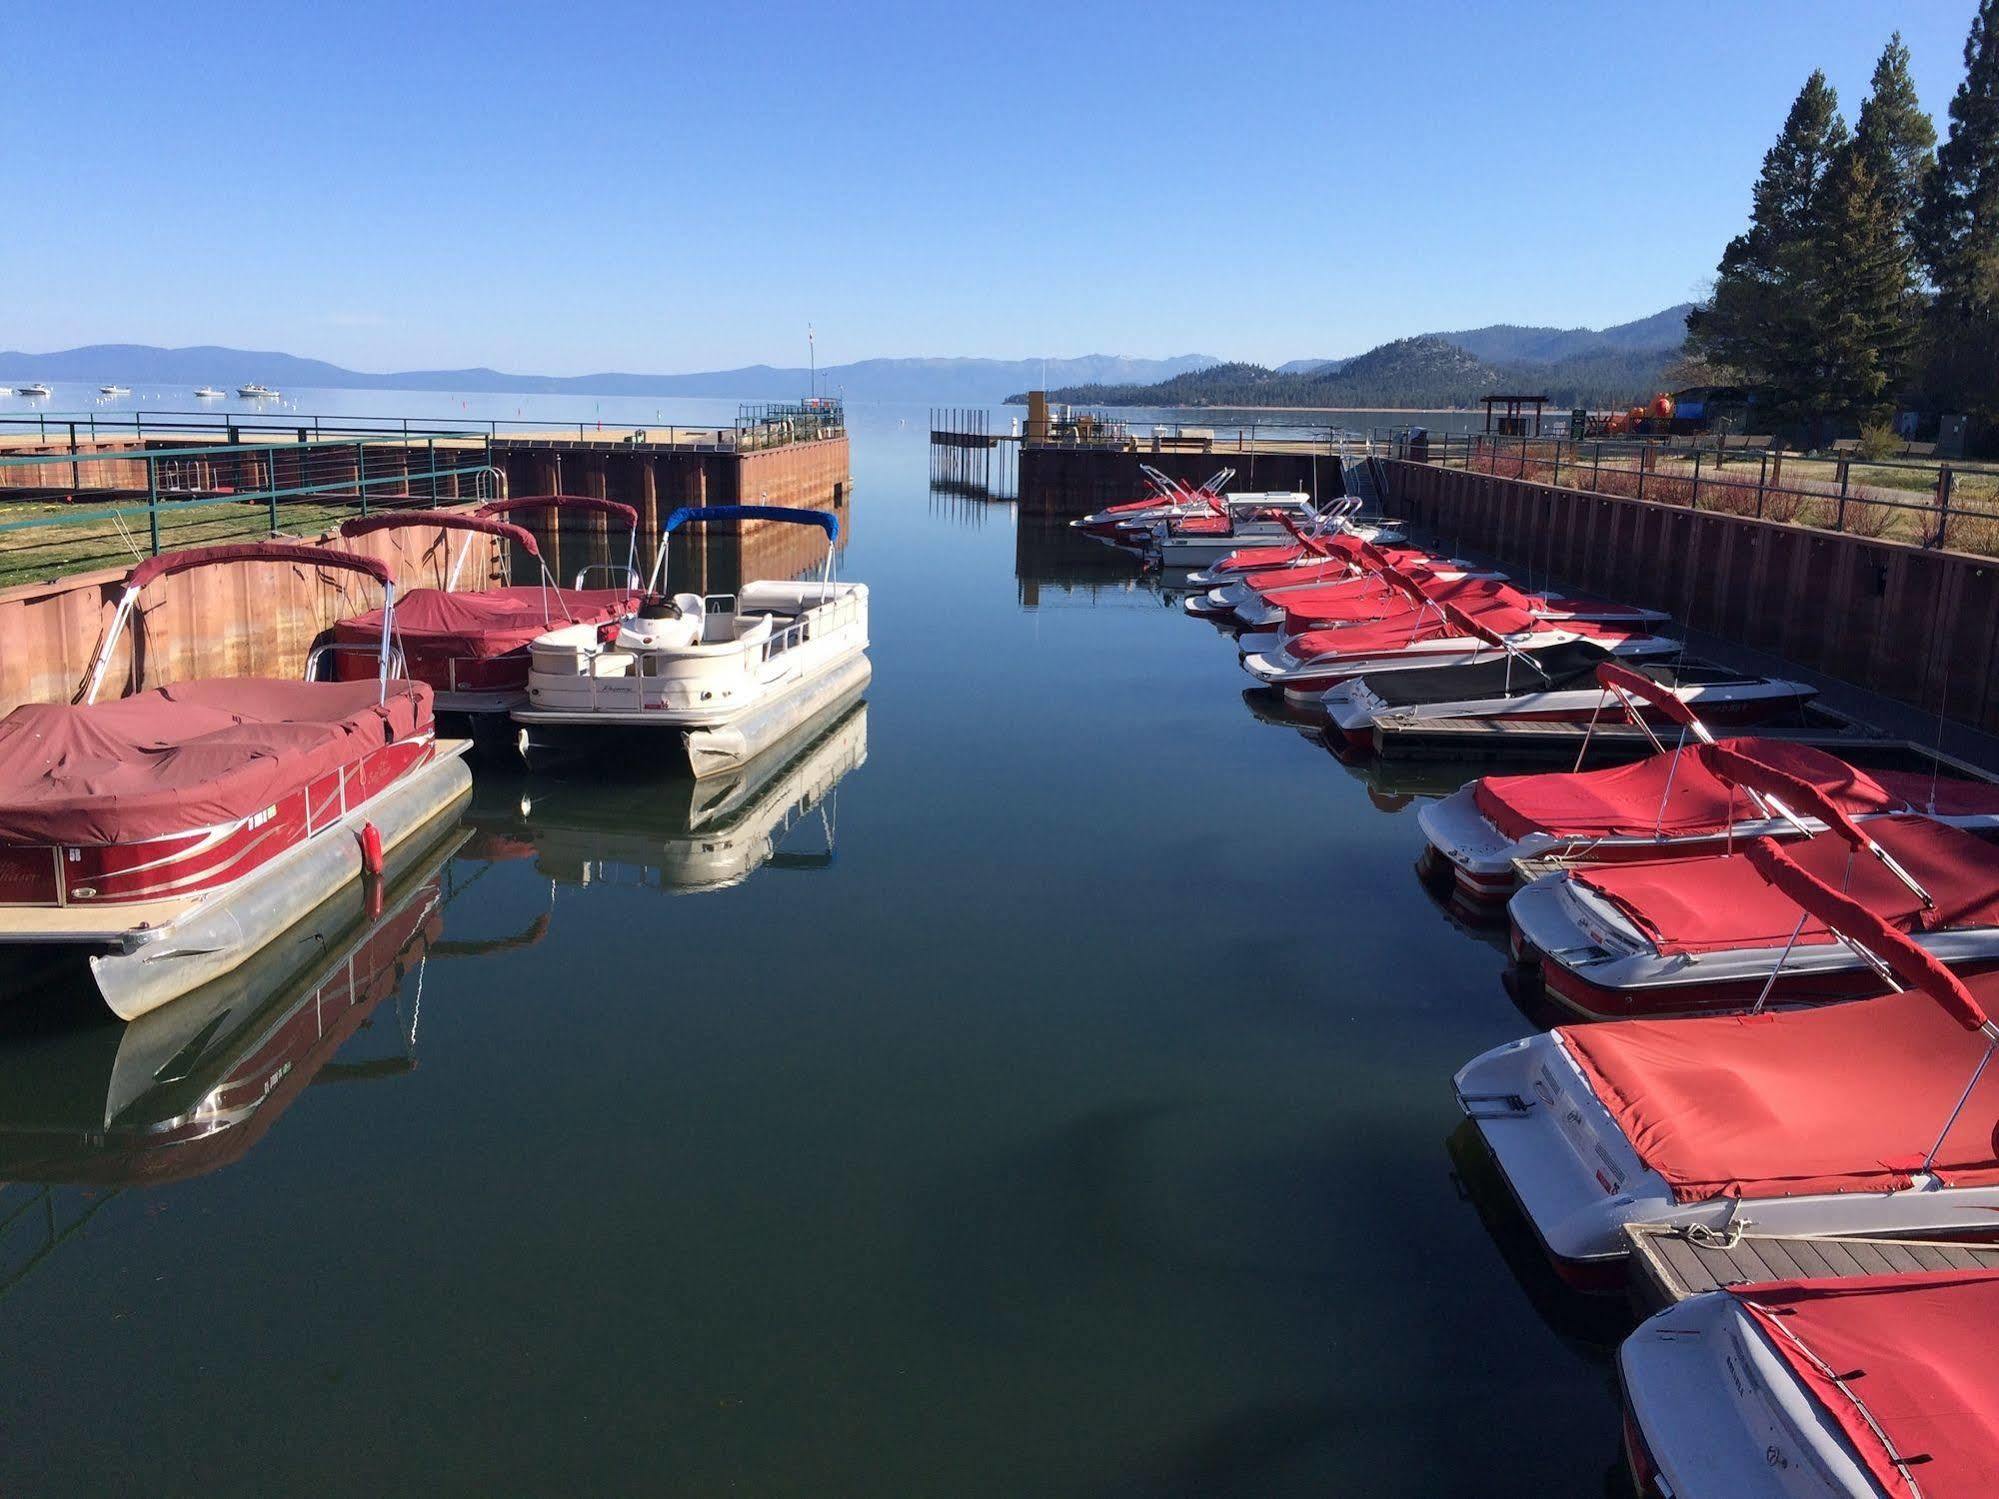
(1919, 626)
(238, 620)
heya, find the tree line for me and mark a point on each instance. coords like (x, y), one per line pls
(1868, 278)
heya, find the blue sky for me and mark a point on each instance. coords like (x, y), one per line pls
(567, 188)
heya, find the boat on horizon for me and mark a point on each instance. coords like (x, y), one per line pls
(727, 675)
(255, 392)
(207, 393)
(36, 391)
(114, 390)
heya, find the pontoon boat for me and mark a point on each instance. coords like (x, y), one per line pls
(728, 675)
(471, 647)
(1873, 1118)
(167, 835)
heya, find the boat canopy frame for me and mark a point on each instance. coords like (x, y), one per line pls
(698, 514)
(166, 564)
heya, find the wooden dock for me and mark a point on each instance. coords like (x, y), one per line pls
(1668, 1267)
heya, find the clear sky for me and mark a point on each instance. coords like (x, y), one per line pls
(564, 188)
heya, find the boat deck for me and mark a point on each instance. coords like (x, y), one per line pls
(87, 923)
(1667, 1267)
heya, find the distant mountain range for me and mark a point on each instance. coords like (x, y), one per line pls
(942, 381)
(1572, 366)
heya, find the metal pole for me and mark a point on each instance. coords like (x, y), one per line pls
(153, 501)
(1762, 481)
(1695, 502)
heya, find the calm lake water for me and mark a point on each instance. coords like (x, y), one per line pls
(1059, 1109)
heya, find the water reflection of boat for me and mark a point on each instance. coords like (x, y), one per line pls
(192, 1086)
(680, 835)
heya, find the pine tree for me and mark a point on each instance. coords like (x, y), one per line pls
(1861, 304)
(1760, 317)
(1894, 136)
(1957, 233)
(1788, 188)
(1958, 223)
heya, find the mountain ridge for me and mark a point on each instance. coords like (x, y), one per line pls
(941, 379)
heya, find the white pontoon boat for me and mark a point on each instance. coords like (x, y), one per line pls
(729, 674)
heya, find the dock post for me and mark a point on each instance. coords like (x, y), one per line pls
(153, 501)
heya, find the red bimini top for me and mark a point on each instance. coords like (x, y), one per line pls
(434, 625)
(1411, 628)
(1624, 801)
(1915, 1362)
(1843, 1098)
(189, 756)
(1718, 902)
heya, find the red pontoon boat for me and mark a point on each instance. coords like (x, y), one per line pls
(169, 834)
(1873, 1118)
(1693, 935)
(1847, 1388)
(471, 647)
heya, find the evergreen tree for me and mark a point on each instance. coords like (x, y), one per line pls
(1787, 190)
(1860, 304)
(1957, 232)
(1761, 315)
(1893, 134)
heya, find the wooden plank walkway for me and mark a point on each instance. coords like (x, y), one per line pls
(1667, 1267)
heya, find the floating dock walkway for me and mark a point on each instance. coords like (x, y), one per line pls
(1667, 1266)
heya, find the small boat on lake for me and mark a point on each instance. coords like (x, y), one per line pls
(255, 392)
(727, 675)
(1169, 498)
(37, 391)
(208, 393)
(114, 390)
(1841, 1388)
(1580, 682)
(1676, 803)
(471, 646)
(165, 836)
(1873, 1117)
(1712, 933)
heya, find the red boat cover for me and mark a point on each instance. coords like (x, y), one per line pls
(1719, 902)
(1942, 796)
(434, 624)
(1624, 801)
(1378, 636)
(1311, 609)
(187, 756)
(1842, 1098)
(1917, 1351)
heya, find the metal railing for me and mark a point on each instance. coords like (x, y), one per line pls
(161, 499)
(755, 427)
(1095, 430)
(1926, 504)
